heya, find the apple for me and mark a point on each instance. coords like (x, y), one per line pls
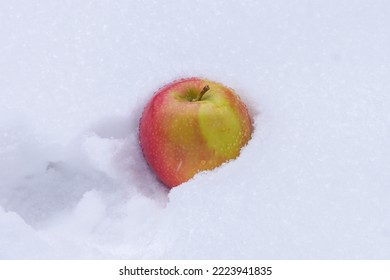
(191, 125)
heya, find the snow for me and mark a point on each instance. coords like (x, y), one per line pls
(313, 183)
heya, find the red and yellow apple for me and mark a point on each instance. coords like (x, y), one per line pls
(191, 125)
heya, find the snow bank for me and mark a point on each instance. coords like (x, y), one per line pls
(312, 183)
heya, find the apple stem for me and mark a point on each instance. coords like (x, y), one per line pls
(204, 90)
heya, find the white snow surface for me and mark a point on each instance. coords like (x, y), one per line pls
(313, 182)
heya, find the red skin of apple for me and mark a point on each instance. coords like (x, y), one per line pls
(180, 138)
